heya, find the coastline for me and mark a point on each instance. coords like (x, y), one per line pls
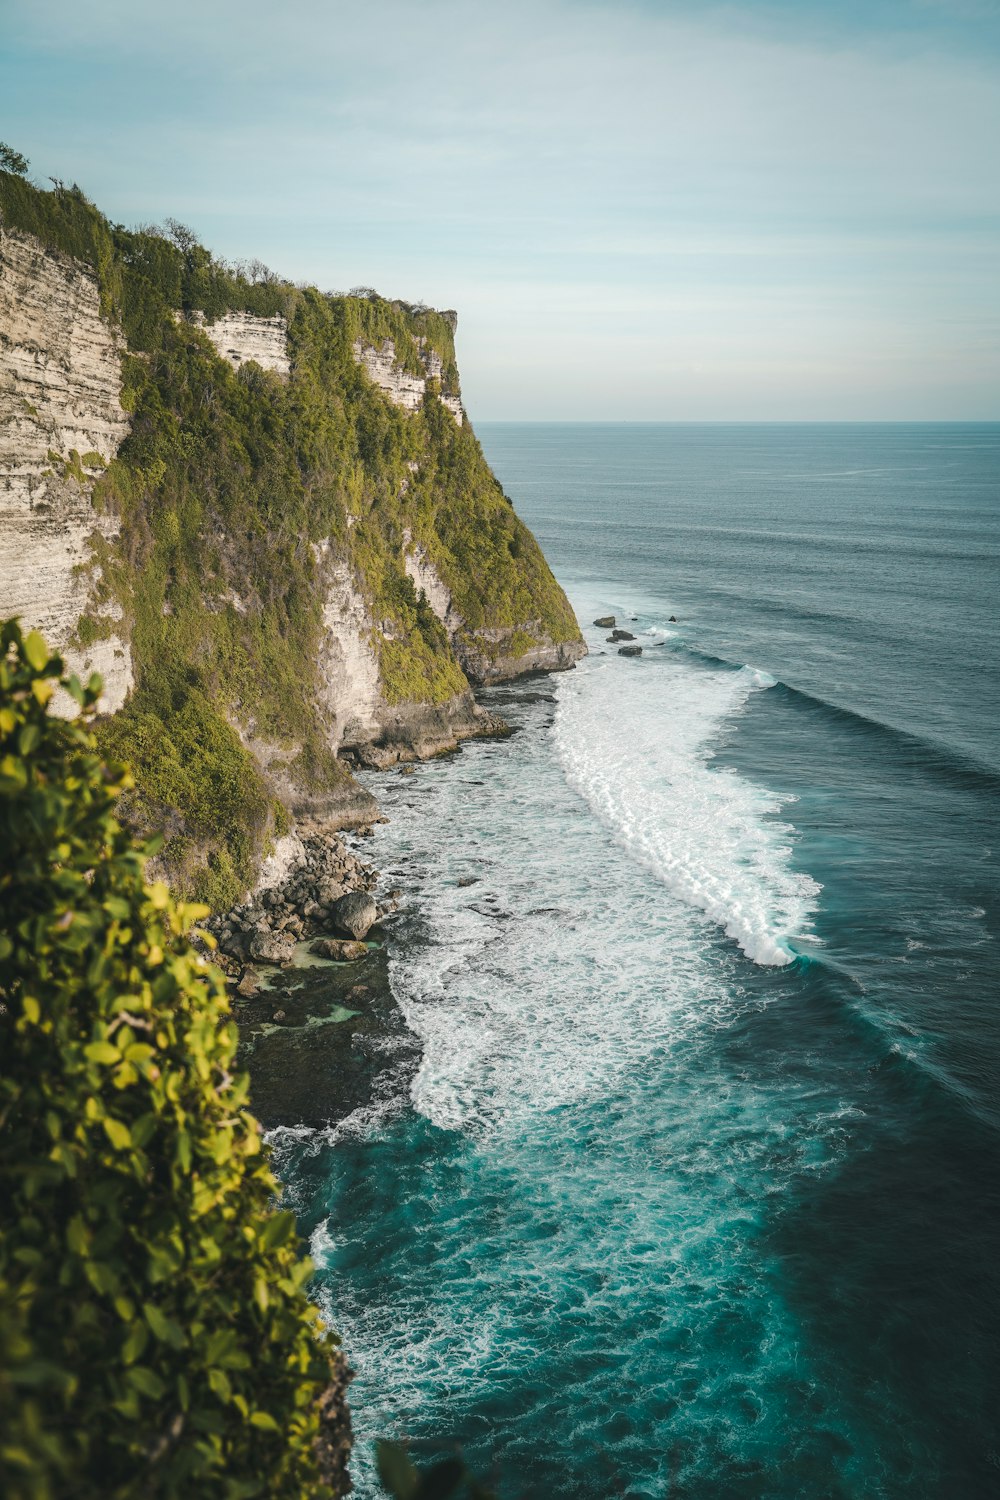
(315, 1032)
(324, 1039)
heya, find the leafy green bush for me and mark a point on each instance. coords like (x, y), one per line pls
(155, 1335)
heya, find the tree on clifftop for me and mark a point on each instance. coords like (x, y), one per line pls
(12, 161)
(155, 1335)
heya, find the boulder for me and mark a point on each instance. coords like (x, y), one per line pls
(272, 947)
(621, 635)
(672, 620)
(249, 984)
(629, 650)
(605, 622)
(355, 913)
(341, 950)
(329, 890)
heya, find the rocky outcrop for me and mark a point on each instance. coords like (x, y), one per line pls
(487, 656)
(330, 891)
(61, 423)
(240, 337)
(426, 580)
(491, 656)
(355, 913)
(287, 856)
(402, 387)
(363, 724)
(351, 693)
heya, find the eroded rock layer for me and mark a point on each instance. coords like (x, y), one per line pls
(61, 422)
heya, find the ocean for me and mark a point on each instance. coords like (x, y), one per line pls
(695, 1191)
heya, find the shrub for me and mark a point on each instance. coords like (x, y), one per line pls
(155, 1335)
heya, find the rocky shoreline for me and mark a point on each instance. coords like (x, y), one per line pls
(307, 966)
(328, 895)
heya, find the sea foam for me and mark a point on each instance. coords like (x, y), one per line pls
(636, 741)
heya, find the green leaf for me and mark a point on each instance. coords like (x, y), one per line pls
(36, 651)
(76, 1235)
(165, 1329)
(134, 1344)
(29, 738)
(101, 1052)
(146, 1380)
(277, 1230)
(264, 1421)
(395, 1471)
(118, 1134)
(184, 1150)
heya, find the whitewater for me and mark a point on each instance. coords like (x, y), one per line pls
(692, 1184)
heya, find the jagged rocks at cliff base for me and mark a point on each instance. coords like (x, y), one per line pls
(266, 928)
(356, 913)
(272, 947)
(340, 950)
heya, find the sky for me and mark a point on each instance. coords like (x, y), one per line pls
(643, 210)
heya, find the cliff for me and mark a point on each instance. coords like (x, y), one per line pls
(261, 513)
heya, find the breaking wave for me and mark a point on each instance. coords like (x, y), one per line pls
(636, 742)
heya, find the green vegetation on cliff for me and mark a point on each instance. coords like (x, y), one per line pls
(155, 1335)
(226, 485)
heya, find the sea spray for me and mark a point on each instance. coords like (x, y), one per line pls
(637, 742)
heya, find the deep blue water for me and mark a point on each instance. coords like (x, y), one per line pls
(696, 1191)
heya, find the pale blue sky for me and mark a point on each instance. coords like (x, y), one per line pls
(650, 210)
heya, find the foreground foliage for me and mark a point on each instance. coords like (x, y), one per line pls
(155, 1336)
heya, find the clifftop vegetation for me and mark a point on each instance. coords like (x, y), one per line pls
(224, 486)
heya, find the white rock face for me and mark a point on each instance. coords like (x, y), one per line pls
(403, 389)
(289, 854)
(351, 693)
(423, 575)
(240, 337)
(60, 390)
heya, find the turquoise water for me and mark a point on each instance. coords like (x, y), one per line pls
(695, 1192)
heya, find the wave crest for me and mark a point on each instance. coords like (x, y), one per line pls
(637, 746)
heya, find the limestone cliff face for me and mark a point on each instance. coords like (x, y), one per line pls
(287, 556)
(240, 337)
(61, 423)
(404, 389)
(361, 722)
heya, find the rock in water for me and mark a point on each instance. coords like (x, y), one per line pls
(355, 913)
(249, 984)
(272, 947)
(629, 650)
(621, 635)
(605, 622)
(341, 950)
